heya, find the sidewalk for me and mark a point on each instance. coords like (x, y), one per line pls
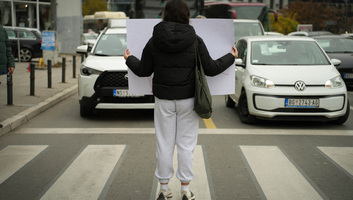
(26, 106)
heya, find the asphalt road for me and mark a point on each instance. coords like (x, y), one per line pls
(59, 155)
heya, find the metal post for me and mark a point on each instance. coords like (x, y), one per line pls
(32, 78)
(9, 89)
(73, 66)
(49, 73)
(82, 58)
(63, 69)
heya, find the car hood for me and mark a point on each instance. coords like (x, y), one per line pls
(288, 75)
(106, 63)
(346, 59)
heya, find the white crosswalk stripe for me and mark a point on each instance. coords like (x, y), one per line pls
(90, 173)
(87, 175)
(14, 157)
(277, 176)
(343, 156)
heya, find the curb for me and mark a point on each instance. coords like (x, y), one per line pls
(24, 116)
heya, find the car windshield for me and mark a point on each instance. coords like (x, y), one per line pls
(287, 53)
(336, 45)
(111, 45)
(246, 29)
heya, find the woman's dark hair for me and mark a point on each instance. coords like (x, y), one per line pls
(176, 11)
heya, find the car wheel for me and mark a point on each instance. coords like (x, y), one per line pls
(344, 118)
(26, 55)
(229, 102)
(86, 111)
(243, 110)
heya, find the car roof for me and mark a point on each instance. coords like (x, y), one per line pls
(21, 28)
(246, 20)
(272, 38)
(115, 31)
(332, 36)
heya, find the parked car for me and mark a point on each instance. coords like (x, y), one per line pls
(273, 33)
(287, 78)
(103, 78)
(309, 33)
(89, 39)
(339, 47)
(247, 27)
(30, 42)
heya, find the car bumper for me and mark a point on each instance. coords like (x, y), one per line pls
(95, 97)
(270, 103)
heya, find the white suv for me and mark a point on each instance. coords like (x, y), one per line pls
(103, 78)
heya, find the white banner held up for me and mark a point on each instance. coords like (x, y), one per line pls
(218, 35)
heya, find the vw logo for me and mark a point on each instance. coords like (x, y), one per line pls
(126, 77)
(300, 86)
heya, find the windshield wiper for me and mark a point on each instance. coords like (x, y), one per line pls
(101, 54)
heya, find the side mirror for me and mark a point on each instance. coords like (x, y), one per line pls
(335, 62)
(83, 49)
(239, 62)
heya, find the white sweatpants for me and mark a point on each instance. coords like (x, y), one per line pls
(176, 123)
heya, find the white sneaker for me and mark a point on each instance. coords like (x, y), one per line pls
(164, 195)
(187, 195)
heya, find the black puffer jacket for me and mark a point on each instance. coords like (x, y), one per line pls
(6, 58)
(170, 55)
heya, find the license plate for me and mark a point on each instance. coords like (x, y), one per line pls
(302, 103)
(348, 75)
(123, 93)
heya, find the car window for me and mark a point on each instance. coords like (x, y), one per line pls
(242, 50)
(11, 34)
(287, 53)
(336, 45)
(26, 34)
(111, 45)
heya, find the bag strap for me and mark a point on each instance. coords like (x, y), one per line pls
(198, 63)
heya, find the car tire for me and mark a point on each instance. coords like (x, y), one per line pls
(344, 118)
(243, 110)
(26, 55)
(229, 102)
(86, 111)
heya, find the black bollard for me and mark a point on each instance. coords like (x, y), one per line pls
(63, 70)
(82, 58)
(49, 73)
(32, 78)
(73, 66)
(9, 89)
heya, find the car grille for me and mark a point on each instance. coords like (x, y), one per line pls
(113, 79)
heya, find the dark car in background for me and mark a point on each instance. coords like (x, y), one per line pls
(29, 40)
(341, 48)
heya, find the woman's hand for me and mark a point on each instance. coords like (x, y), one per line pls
(234, 52)
(10, 70)
(126, 53)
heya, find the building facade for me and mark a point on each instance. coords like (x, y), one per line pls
(62, 16)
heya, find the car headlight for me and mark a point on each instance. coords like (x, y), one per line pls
(86, 71)
(336, 82)
(261, 82)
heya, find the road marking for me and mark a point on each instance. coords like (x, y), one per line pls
(343, 156)
(199, 185)
(202, 131)
(276, 174)
(14, 157)
(86, 177)
(209, 123)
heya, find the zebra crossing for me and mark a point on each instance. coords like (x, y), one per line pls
(91, 172)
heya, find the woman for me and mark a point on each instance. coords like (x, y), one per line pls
(7, 63)
(170, 55)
